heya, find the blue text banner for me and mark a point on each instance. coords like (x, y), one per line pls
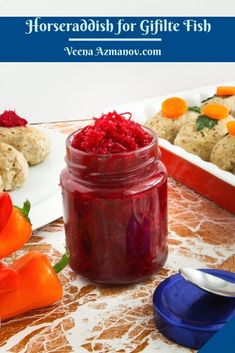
(117, 39)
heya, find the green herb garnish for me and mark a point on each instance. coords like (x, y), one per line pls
(195, 109)
(207, 99)
(215, 95)
(25, 210)
(205, 121)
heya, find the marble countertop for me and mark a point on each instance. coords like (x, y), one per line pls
(92, 318)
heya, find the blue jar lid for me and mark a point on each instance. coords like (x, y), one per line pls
(188, 315)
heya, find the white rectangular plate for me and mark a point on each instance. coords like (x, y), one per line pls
(143, 110)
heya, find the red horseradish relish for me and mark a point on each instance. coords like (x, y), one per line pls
(115, 204)
(10, 119)
(111, 133)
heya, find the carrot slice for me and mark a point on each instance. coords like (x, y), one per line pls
(174, 107)
(231, 128)
(215, 111)
(225, 91)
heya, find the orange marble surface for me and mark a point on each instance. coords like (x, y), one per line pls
(91, 318)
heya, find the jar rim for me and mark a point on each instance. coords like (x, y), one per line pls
(107, 155)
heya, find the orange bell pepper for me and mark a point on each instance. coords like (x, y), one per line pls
(5, 208)
(9, 279)
(16, 231)
(39, 285)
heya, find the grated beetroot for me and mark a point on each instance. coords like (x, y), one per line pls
(10, 119)
(111, 133)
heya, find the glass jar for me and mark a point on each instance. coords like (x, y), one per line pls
(115, 213)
